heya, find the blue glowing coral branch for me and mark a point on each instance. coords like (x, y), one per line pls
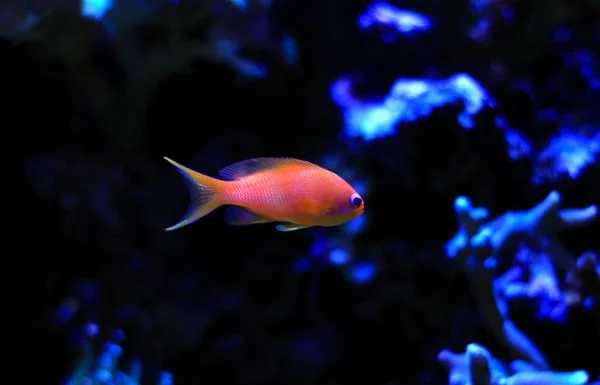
(477, 367)
(104, 368)
(408, 100)
(583, 283)
(393, 21)
(568, 152)
(479, 244)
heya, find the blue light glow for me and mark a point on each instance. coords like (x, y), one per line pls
(165, 378)
(289, 50)
(302, 265)
(339, 256)
(95, 9)
(361, 187)
(66, 310)
(104, 375)
(517, 145)
(105, 360)
(319, 247)
(355, 226)
(585, 64)
(555, 311)
(118, 335)
(362, 272)
(104, 369)
(113, 349)
(480, 30)
(240, 4)
(91, 329)
(135, 370)
(87, 290)
(228, 51)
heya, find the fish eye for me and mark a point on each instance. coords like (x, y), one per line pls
(356, 200)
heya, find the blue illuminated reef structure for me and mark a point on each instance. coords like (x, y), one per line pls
(393, 21)
(478, 247)
(409, 100)
(471, 130)
(104, 368)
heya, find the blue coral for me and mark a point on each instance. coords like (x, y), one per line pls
(478, 247)
(487, 105)
(104, 367)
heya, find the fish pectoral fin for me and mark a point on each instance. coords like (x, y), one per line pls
(290, 227)
(239, 216)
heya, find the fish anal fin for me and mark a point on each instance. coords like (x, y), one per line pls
(290, 227)
(239, 216)
(250, 166)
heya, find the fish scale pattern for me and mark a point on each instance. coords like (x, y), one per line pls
(278, 193)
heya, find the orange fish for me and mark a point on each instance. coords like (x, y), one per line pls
(295, 193)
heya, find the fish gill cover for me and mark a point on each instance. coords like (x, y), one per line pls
(469, 128)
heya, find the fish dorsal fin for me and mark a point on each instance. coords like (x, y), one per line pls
(250, 166)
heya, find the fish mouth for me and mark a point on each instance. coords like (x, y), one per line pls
(360, 210)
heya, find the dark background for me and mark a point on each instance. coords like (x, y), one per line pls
(212, 303)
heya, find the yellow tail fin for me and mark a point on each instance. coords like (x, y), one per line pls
(204, 195)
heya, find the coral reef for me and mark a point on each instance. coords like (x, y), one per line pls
(479, 247)
(104, 368)
(414, 103)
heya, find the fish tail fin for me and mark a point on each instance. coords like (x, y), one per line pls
(204, 195)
